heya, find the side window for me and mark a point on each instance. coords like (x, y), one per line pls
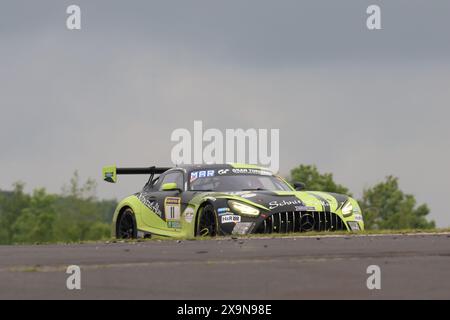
(172, 177)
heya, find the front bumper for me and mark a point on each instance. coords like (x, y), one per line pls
(295, 221)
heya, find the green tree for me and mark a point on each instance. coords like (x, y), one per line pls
(74, 215)
(315, 181)
(11, 206)
(35, 223)
(80, 215)
(77, 191)
(385, 206)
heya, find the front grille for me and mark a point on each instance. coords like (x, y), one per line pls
(299, 221)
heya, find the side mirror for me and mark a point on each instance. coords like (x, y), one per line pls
(299, 186)
(170, 187)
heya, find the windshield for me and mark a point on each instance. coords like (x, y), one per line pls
(229, 183)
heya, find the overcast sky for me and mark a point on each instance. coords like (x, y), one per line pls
(360, 104)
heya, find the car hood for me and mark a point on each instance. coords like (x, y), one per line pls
(280, 201)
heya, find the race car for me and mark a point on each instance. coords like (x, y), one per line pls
(214, 200)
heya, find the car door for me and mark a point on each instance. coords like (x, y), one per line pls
(170, 200)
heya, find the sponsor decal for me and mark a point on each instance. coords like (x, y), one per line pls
(221, 211)
(172, 208)
(244, 171)
(188, 214)
(231, 218)
(109, 174)
(304, 208)
(174, 224)
(152, 205)
(202, 174)
(358, 217)
(251, 171)
(276, 204)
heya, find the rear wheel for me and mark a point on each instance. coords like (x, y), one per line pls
(126, 226)
(207, 225)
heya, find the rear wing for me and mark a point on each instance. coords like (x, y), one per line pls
(110, 173)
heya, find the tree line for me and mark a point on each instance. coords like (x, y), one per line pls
(384, 205)
(76, 214)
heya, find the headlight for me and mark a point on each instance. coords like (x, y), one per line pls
(243, 209)
(347, 209)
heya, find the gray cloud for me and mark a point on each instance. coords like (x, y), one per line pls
(359, 104)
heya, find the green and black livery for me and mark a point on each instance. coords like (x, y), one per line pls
(210, 200)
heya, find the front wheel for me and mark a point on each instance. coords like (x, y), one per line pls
(207, 225)
(126, 226)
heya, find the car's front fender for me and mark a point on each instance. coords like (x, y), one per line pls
(131, 202)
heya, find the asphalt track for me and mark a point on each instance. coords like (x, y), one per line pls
(412, 266)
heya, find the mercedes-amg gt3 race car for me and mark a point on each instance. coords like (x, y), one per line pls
(210, 200)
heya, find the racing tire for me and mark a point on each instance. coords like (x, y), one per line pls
(207, 222)
(126, 225)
